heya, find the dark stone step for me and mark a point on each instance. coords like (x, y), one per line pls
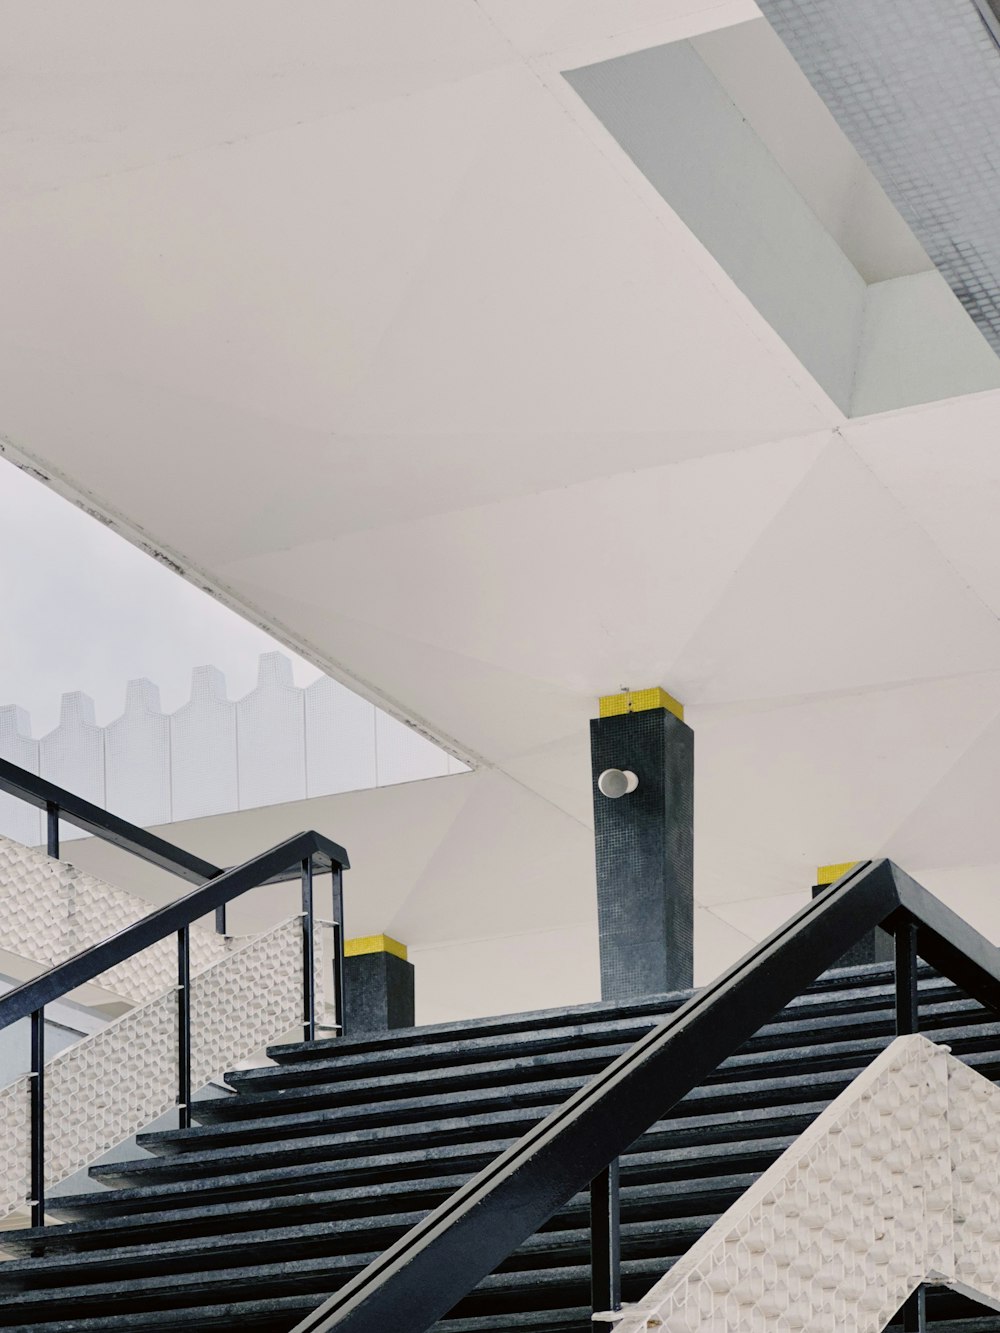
(512, 1288)
(824, 1079)
(279, 1117)
(214, 1254)
(838, 990)
(826, 1054)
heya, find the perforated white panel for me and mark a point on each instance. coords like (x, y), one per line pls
(403, 755)
(50, 910)
(18, 820)
(974, 1114)
(896, 1182)
(280, 743)
(204, 777)
(137, 758)
(72, 756)
(253, 998)
(340, 739)
(15, 1137)
(108, 1086)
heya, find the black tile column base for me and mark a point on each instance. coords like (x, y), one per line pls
(378, 993)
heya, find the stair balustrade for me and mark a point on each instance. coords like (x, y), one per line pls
(98, 1107)
(417, 1280)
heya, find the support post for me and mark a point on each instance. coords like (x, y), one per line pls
(907, 1013)
(915, 1312)
(644, 844)
(184, 1028)
(605, 1241)
(308, 954)
(52, 829)
(337, 891)
(38, 1118)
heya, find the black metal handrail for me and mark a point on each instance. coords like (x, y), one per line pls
(441, 1259)
(61, 804)
(302, 855)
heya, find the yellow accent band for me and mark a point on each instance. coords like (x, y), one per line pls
(830, 874)
(637, 701)
(374, 944)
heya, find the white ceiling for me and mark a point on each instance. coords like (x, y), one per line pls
(356, 313)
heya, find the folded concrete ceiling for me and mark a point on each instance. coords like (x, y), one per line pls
(359, 316)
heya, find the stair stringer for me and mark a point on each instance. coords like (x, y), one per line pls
(897, 1182)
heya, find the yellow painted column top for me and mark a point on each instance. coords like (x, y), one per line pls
(637, 701)
(374, 944)
(830, 874)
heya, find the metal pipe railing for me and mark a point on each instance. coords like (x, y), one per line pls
(441, 1259)
(302, 855)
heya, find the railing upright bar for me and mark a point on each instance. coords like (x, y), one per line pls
(38, 1118)
(308, 954)
(52, 828)
(915, 1312)
(605, 1241)
(907, 1001)
(184, 1027)
(337, 886)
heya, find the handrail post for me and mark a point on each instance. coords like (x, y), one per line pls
(908, 1022)
(605, 1241)
(907, 1000)
(52, 828)
(184, 1028)
(915, 1312)
(38, 1117)
(308, 955)
(337, 917)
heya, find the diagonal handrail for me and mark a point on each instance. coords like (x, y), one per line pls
(441, 1259)
(175, 916)
(38, 791)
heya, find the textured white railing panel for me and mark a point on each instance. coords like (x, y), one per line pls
(15, 1140)
(109, 1085)
(253, 998)
(50, 910)
(897, 1182)
(106, 1087)
(974, 1115)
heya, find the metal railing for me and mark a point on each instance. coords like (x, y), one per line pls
(441, 1259)
(303, 855)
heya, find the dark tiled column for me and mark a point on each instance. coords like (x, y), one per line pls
(644, 846)
(378, 986)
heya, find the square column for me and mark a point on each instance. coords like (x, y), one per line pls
(644, 845)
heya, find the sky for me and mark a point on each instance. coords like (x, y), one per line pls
(83, 609)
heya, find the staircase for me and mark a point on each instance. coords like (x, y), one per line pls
(283, 1191)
